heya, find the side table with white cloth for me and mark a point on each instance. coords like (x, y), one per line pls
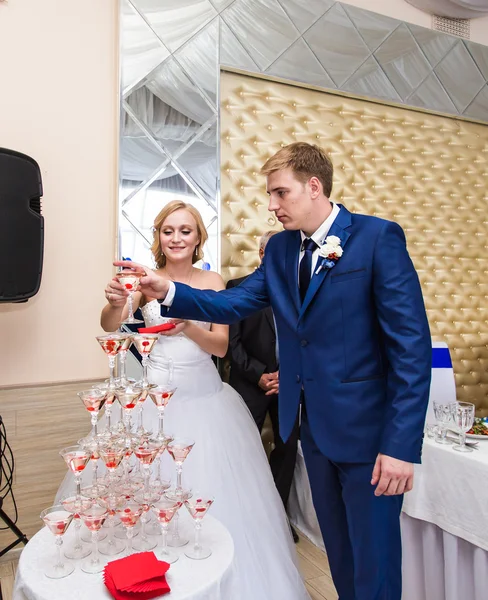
(209, 579)
(445, 526)
(445, 517)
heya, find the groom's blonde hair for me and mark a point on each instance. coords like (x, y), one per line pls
(306, 161)
(170, 208)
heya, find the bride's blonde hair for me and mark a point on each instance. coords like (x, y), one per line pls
(170, 208)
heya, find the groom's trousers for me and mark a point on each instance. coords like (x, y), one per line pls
(361, 532)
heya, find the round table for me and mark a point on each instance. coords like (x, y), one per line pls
(209, 579)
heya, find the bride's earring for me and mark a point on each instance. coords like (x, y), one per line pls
(196, 250)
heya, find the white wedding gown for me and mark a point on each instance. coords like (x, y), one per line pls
(228, 460)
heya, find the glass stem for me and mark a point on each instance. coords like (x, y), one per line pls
(164, 534)
(160, 422)
(145, 359)
(123, 356)
(140, 426)
(78, 545)
(157, 470)
(143, 525)
(78, 485)
(130, 306)
(96, 557)
(462, 439)
(179, 470)
(198, 528)
(127, 422)
(59, 558)
(111, 365)
(108, 414)
(130, 535)
(147, 475)
(94, 421)
(95, 473)
(111, 530)
(176, 530)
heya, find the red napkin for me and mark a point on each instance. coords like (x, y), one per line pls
(136, 577)
(157, 328)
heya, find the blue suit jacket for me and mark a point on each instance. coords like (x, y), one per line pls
(359, 346)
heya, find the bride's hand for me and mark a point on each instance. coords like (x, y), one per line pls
(116, 294)
(180, 325)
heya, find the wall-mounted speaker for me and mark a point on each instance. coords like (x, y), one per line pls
(21, 227)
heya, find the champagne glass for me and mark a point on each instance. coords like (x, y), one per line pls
(112, 546)
(161, 395)
(443, 415)
(93, 401)
(109, 400)
(164, 441)
(143, 543)
(76, 457)
(92, 445)
(112, 454)
(179, 449)
(144, 342)
(93, 518)
(165, 510)
(75, 506)
(128, 398)
(110, 345)
(129, 280)
(146, 451)
(198, 506)
(129, 515)
(57, 519)
(463, 417)
(176, 494)
(124, 348)
(140, 403)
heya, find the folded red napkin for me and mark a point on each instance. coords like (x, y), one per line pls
(136, 577)
(156, 328)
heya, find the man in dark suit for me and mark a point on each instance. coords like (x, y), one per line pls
(254, 375)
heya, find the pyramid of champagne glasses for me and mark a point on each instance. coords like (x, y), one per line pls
(127, 503)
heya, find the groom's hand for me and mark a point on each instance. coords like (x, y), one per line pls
(392, 476)
(150, 284)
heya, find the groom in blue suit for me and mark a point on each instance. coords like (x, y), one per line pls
(355, 361)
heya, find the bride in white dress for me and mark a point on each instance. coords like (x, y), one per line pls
(228, 458)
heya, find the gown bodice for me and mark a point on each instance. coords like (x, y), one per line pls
(179, 360)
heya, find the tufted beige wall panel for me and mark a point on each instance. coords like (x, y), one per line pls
(427, 172)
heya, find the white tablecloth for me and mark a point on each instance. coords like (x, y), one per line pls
(209, 579)
(441, 566)
(451, 491)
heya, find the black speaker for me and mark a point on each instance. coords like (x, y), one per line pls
(21, 227)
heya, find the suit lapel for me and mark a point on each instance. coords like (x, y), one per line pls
(291, 266)
(338, 228)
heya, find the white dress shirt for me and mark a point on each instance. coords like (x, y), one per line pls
(318, 237)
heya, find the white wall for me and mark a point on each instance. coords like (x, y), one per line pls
(399, 9)
(59, 104)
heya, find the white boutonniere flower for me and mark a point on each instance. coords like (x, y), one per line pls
(330, 253)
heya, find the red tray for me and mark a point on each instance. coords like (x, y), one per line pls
(157, 328)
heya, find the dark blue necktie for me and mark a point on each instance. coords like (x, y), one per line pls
(305, 271)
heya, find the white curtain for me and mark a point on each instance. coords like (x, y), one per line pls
(140, 157)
